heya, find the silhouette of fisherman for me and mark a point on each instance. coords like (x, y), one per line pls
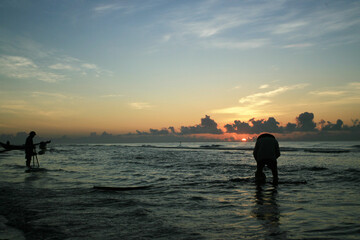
(29, 148)
(266, 152)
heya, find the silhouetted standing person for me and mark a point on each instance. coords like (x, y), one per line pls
(29, 148)
(266, 152)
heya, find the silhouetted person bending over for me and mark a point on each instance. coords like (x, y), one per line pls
(29, 148)
(266, 152)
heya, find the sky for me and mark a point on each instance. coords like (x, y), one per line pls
(78, 67)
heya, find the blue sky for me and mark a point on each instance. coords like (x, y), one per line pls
(120, 66)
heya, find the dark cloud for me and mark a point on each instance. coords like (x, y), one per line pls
(328, 126)
(172, 130)
(157, 132)
(207, 126)
(290, 127)
(304, 129)
(270, 125)
(254, 126)
(238, 127)
(305, 122)
(105, 134)
(163, 131)
(356, 125)
(339, 126)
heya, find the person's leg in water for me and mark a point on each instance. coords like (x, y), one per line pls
(259, 175)
(28, 161)
(272, 164)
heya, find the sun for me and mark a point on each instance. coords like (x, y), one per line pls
(243, 139)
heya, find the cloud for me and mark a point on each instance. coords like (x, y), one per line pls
(72, 64)
(325, 25)
(303, 129)
(240, 45)
(16, 61)
(253, 24)
(289, 27)
(166, 37)
(89, 66)
(155, 132)
(354, 85)
(124, 7)
(158, 132)
(105, 8)
(140, 105)
(339, 95)
(172, 129)
(113, 95)
(52, 95)
(215, 24)
(255, 97)
(24, 68)
(299, 45)
(207, 125)
(24, 58)
(305, 122)
(254, 126)
(328, 126)
(75, 65)
(60, 66)
(205, 23)
(328, 93)
(14, 107)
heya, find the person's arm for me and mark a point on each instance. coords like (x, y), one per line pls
(277, 149)
(256, 148)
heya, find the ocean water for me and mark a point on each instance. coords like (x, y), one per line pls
(188, 192)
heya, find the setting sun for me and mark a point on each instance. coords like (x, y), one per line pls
(243, 140)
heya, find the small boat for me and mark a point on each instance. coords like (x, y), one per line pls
(8, 146)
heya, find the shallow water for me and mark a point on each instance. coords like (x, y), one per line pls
(192, 192)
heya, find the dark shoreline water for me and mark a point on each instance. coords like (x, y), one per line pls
(188, 194)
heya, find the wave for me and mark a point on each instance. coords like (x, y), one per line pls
(316, 169)
(228, 150)
(323, 150)
(252, 180)
(202, 147)
(350, 175)
(102, 188)
(14, 166)
(243, 179)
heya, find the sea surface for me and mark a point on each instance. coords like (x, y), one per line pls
(192, 191)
